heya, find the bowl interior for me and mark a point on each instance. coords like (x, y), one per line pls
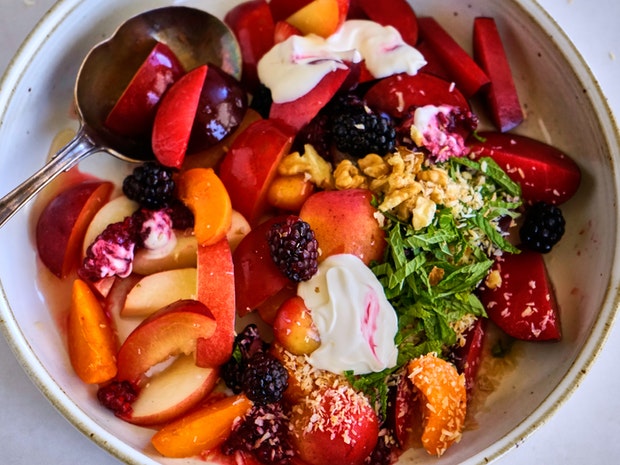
(564, 108)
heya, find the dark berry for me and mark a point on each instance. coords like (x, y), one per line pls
(182, 217)
(249, 342)
(265, 379)
(383, 453)
(317, 134)
(543, 227)
(151, 185)
(361, 133)
(117, 396)
(264, 433)
(232, 374)
(294, 248)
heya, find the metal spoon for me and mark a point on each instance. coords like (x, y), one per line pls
(195, 36)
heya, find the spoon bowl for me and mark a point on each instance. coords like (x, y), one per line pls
(195, 36)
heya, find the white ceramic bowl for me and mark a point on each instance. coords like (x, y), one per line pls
(564, 108)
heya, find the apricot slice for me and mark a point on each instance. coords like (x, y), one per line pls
(90, 337)
(205, 195)
(202, 430)
(444, 401)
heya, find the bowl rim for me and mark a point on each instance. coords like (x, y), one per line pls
(580, 367)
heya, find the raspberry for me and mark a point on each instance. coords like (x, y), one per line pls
(265, 379)
(294, 248)
(151, 185)
(264, 433)
(360, 133)
(112, 251)
(117, 396)
(542, 227)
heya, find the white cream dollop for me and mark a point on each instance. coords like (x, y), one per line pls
(293, 67)
(356, 323)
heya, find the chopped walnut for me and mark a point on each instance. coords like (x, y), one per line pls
(310, 163)
(436, 275)
(348, 176)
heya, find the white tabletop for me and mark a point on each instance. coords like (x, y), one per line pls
(584, 431)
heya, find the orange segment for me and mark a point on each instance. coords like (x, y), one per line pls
(91, 341)
(202, 430)
(202, 191)
(444, 401)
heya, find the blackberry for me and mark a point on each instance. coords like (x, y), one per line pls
(264, 433)
(117, 396)
(294, 248)
(247, 343)
(151, 185)
(182, 217)
(361, 133)
(264, 379)
(542, 227)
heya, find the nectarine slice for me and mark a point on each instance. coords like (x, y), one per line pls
(90, 336)
(206, 196)
(172, 392)
(171, 331)
(157, 290)
(202, 430)
(175, 116)
(63, 222)
(444, 404)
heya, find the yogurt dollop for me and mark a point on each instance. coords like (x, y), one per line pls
(292, 68)
(356, 323)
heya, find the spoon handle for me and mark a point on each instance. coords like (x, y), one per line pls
(77, 149)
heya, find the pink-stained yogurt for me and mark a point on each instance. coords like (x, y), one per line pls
(293, 67)
(355, 321)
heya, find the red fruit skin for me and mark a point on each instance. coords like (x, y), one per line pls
(63, 222)
(433, 64)
(283, 31)
(251, 164)
(257, 278)
(406, 410)
(397, 95)
(468, 76)
(175, 118)
(134, 111)
(524, 305)
(254, 26)
(396, 13)
(216, 289)
(501, 94)
(544, 172)
(299, 112)
(467, 358)
(282, 9)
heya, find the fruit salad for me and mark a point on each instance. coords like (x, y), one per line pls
(307, 270)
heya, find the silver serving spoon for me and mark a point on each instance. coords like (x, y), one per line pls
(195, 36)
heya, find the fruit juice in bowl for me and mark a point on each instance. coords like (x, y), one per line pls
(203, 279)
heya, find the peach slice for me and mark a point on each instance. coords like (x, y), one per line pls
(202, 430)
(157, 290)
(172, 392)
(183, 255)
(171, 331)
(91, 342)
(444, 403)
(216, 289)
(205, 195)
